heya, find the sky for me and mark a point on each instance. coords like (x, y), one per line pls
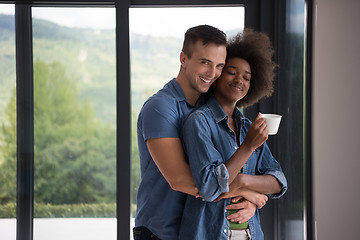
(149, 21)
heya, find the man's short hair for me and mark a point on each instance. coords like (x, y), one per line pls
(206, 33)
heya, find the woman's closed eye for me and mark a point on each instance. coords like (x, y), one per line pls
(231, 73)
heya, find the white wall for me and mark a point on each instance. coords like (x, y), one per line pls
(336, 119)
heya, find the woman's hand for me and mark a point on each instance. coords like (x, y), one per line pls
(257, 134)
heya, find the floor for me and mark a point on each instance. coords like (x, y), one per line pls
(64, 228)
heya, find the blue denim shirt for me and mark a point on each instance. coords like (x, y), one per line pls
(209, 143)
(159, 208)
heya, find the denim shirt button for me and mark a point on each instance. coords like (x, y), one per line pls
(235, 147)
(225, 230)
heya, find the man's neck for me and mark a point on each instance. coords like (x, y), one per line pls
(191, 94)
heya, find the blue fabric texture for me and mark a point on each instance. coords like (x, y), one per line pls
(159, 208)
(209, 143)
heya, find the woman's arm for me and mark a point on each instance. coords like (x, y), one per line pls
(256, 135)
(265, 184)
(236, 192)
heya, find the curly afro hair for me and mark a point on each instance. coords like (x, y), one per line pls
(256, 48)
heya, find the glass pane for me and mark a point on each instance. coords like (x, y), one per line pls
(74, 123)
(7, 123)
(291, 142)
(155, 49)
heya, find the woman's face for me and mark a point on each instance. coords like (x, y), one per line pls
(234, 82)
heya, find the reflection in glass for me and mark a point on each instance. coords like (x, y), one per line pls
(74, 125)
(7, 123)
(155, 47)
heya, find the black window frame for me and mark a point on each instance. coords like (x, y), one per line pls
(257, 16)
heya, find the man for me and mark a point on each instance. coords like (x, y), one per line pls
(165, 175)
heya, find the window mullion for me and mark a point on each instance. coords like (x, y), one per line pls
(123, 158)
(25, 122)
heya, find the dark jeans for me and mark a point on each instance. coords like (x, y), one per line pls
(142, 233)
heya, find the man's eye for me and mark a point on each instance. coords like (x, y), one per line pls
(231, 73)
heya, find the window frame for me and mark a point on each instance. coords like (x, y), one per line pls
(25, 98)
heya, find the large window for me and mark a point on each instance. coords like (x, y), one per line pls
(69, 102)
(74, 123)
(7, 123)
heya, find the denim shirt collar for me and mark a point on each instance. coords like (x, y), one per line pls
(219, 114)
(178, 92)
(180, 96)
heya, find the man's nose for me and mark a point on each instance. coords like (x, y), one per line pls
(213, 72)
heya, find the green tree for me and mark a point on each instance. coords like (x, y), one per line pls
(74, 153)
(8, 154)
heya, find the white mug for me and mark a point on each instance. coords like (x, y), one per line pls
(272, 122)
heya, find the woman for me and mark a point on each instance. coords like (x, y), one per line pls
(220, 142)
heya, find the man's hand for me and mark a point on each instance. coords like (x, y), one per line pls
(256, 198)
(246, 211)
(238, 190)
(233, 192)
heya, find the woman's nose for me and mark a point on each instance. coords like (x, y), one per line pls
(238, 79)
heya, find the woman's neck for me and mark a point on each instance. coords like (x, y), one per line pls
(228, 107)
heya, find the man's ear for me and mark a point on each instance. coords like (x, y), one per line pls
(183, 59)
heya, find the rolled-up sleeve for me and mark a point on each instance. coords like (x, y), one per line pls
(210, 174)
(279, 175)
(222, 176)
(269, 166)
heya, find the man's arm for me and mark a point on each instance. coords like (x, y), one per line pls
(169, 157)
(168, 154)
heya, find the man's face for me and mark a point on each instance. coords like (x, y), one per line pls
(204, 66)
